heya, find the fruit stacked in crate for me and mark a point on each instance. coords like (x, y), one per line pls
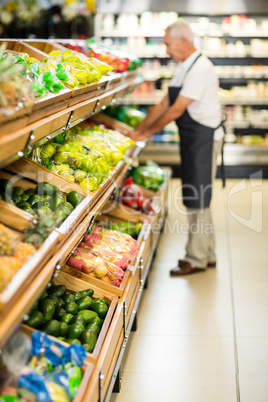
(118, 60)
(73, 317)
(13, 254)
(104, 254)
(83, 155)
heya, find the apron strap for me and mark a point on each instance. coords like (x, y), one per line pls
(223, 177)
(187, 71)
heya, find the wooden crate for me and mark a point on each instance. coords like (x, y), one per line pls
(23, 219)
(111, 349)
(89, 388)
(51, 103)
(90, 90)
(74, 284)
(97, 282)
(36, 172)
(115, 212)
(29, 270)
(102, 118)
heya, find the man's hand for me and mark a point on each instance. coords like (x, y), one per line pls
(136, 135)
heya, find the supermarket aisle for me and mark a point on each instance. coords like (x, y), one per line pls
(204, 338)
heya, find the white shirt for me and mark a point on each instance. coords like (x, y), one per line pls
(201, 84)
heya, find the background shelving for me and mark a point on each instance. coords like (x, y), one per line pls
(238, 47)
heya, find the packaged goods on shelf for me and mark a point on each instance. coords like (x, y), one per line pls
(16, 91)
(126, 114)
(133, 196)
(150, 176)
(74, 68)
(46, 370)
(84, 156)
(13, 254)
(104, 254)
(120, 61)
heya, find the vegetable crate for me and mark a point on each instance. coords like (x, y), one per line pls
(49, 104)
(75, 285)
(31, 179)
(77, 94)
(28, 271)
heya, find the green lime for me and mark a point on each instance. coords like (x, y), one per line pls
(100, 308)
(74, 198)
(65, 207)
(66, 318)
(33, 199)
(23, 204)
(69, 297)
(71, 308)
(89, 338)
(30, 191)
(94, 327)
(56, 200)
(75, 330)
(17, 191)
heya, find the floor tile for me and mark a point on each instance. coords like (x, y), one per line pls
(180, 354)
(171, 318)
(205, 288)
(251, 321)
(253, 355)
(251, 292)
(253, 388)
(183, 350)
(171, 387)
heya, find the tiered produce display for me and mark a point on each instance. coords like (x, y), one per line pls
(74, 252)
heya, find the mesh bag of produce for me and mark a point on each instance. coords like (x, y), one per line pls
(92, 264)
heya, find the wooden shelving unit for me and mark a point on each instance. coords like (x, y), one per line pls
(17, 299)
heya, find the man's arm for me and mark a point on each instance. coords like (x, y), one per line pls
(171, 113)
(154, 114)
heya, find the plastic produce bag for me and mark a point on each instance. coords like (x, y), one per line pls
(75, 69)
(104, 254)
(132, 229)
(16, 353)
(84, 156)
(150, 177)
(95, 266)
(128, 115)
(133, 196)
(118, 242)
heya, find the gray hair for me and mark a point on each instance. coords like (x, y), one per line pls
(181, 28)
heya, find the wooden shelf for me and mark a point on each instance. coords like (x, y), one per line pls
(15, 140)
(60, 244)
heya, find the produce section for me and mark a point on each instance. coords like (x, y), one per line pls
(64, 222)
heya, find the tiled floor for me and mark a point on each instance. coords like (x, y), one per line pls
(204, 338)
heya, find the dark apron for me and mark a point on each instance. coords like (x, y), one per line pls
(196, 145)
